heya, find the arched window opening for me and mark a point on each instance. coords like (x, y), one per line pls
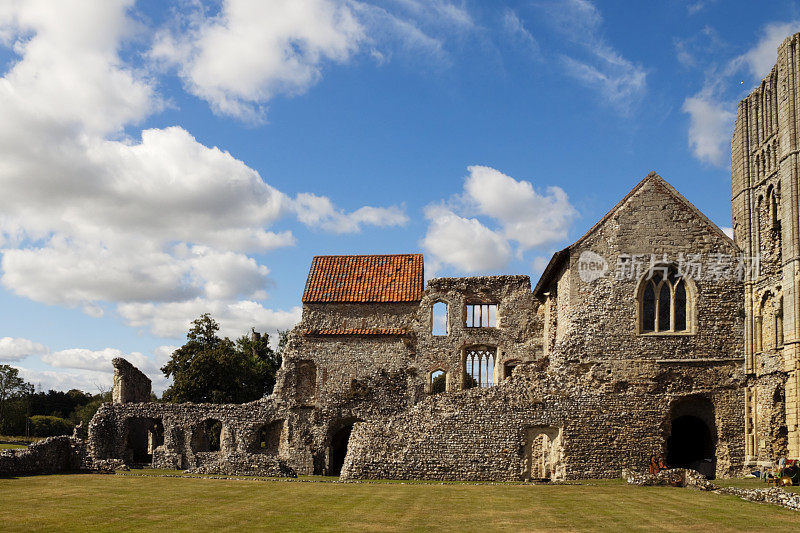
(479, 367)
(438, 381)
(773, 211)
(649, 308)
(664, 303)
(439, 319)
(680, 306)
(664, 306)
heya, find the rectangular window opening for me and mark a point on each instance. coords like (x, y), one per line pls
(481, 315)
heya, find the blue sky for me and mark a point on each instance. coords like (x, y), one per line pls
(159, 160)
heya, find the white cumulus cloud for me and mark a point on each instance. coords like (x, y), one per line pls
(252, 50)
(17, 349)
(174, 319)
(519, 214)
(95, 214)
(710, 126)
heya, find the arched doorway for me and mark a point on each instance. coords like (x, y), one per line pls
(692, 439)
(339, 442)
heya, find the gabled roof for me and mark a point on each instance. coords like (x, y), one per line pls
(559, 257)
(365, 278)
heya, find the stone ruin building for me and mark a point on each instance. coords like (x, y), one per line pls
(766, 222)
(483, 378)
(601, 365)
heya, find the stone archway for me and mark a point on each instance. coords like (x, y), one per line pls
(692, 439)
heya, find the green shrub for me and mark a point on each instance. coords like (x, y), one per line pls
(50, 426)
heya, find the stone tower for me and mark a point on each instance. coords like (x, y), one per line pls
(766, 223)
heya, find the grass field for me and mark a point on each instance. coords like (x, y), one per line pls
(11, 446)
(86, 502)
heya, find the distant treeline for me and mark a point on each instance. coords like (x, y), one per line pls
(46, 414)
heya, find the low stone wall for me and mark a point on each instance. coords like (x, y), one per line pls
(775, 496)
(674, 477)
(683, 477)
(246, 464)
(49, 456)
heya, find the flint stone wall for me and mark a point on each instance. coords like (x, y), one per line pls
(517, 337)
(130, 384)
(484, 434)
(304, 440)
(49, 456)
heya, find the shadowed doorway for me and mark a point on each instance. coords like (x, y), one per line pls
(339, 442)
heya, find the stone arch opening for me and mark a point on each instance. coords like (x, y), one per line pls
(438, 381)
(339, 441)
(692, 439)
(439, 319)
(142, 436)
(543, 453)
(207, 436)
(479, 363)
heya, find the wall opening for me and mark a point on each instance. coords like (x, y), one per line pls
(479, 367)
(338, 449)
(508, 368)
(543, 453)
(143, 435)
(306, 381)
(439, 319)
(481, 315)
(269, 436)
(692, 439)
(664, 302)
(207, 436)
(438, 381)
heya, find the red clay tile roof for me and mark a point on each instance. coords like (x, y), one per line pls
(365, 278)
(358, 331)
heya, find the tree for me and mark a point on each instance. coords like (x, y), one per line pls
(216, 370)
(12, 387)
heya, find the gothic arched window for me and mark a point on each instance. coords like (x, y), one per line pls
(664, 303)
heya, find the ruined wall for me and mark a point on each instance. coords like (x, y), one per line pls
(517, 336)
(764, 166)
(130, 384)
(49, 456)
(357, 315)
(338, 359)
(269, 437)
(593, 432)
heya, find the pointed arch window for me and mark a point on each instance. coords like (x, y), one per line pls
(664, 303)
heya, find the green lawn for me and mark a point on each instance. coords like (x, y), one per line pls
(11, 446)
(87, 502)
